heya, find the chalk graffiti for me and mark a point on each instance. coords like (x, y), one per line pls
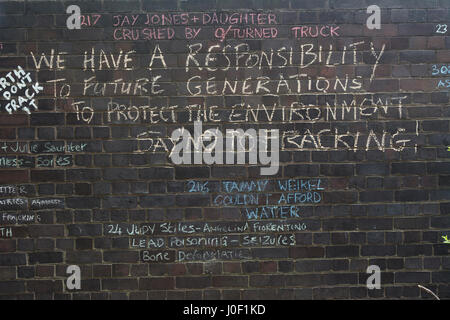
(15, 82)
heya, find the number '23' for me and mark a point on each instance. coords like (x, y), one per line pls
(441, 28)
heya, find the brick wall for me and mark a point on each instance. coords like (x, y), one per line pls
(85, 137)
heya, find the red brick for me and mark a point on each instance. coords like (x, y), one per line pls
(7, 245)
(232, 267)
(13, 176)
(443, 56)
(121, 270)
(13, 120)
(230, 281)
(7, 133)
(306, 252)
(195, 268)
(387, 30)
(436, 43)
(157, 283)
(268, 266)
(416, 85)
(175, 269)
(45, 271)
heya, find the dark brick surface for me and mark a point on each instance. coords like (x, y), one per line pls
(86, 178)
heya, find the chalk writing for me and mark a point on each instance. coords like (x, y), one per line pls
(18, 218)
(15, 82)
(315, 31)
(440, 69)
(204, 255)
(441, 28)
(11, 189)
(6, 232)
(221, 236)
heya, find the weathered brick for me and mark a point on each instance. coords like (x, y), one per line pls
(193, 282)
(45, 257)
(157, 283)
(412, 277)
(342, 251)
(12, 259)
(230, 281)
(306, 252)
